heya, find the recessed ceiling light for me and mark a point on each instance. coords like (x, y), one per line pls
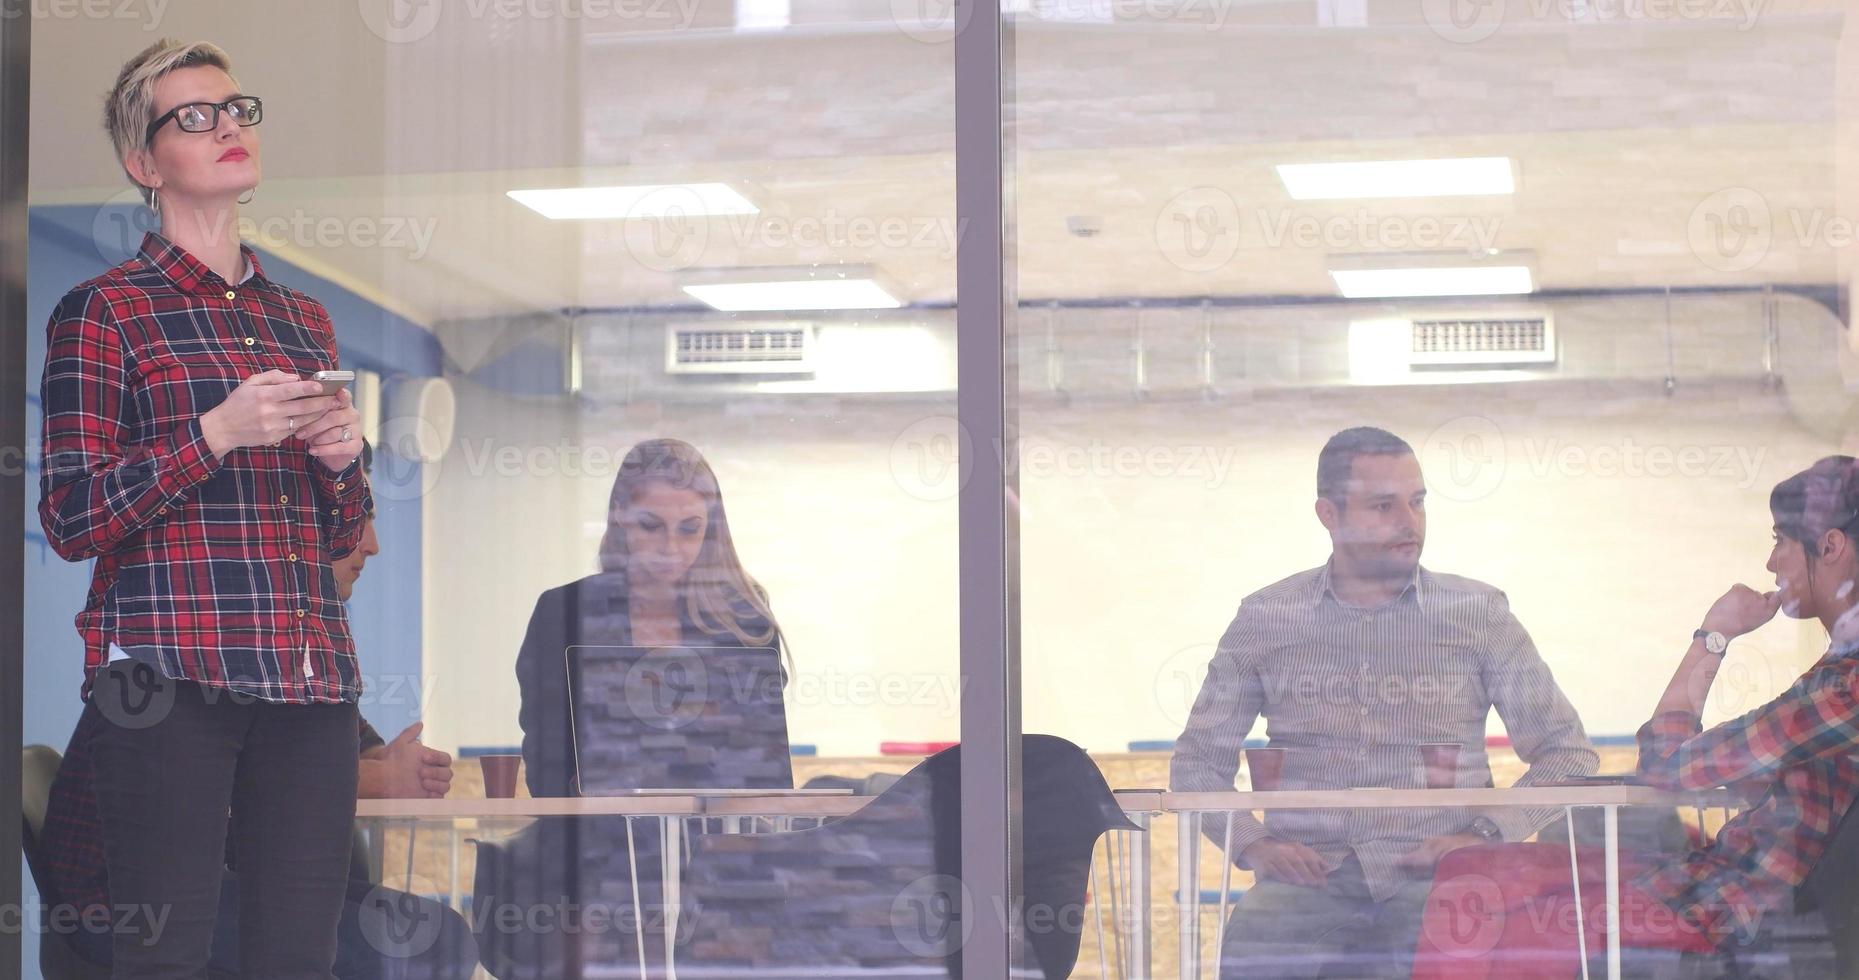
(1476, 280)
(1450, 177)
(758, 290)
(635, 201)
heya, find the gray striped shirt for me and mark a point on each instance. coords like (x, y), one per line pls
(1351, 693)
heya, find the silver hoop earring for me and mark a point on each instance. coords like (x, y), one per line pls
(249, 195)
(154, 203)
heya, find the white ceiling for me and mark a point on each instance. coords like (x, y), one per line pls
(386, 163)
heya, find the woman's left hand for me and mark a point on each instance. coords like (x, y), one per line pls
(334, 437)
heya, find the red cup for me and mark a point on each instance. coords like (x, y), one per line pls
(1266, 767)
(1442, 764)
(500, 775)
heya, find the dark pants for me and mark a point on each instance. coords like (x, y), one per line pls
(174, 757)
(385, 935)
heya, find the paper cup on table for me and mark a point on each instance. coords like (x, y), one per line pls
(1442, 764)
(500, 775)
(1265, 767)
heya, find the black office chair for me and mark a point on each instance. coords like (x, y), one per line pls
(1832, 889)
(878, 893)
(58, 957)
(1818, 939)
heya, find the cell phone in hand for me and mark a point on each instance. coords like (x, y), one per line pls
(334, 381)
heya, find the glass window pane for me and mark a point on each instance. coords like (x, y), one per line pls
(1582, 269)
(598, 268)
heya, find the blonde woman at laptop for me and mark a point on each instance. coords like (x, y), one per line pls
(670, 577)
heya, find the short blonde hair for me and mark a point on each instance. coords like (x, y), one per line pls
(130, 105)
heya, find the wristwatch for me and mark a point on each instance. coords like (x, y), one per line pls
(1483, 827)
(1714, 642)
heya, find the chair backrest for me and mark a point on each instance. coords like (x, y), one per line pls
(58, 960)
(38, 766)
(878, 890)
(1833, 888)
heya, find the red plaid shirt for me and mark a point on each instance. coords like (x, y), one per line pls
(212, 571)
(1794, 759)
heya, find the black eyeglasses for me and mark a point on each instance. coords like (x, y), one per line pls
(203, 117)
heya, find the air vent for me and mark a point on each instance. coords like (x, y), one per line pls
(1482, 341)
(770, 348)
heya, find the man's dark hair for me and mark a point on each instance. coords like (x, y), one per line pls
(367, 466)
(1337, 460)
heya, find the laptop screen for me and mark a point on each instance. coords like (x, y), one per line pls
(678, 718)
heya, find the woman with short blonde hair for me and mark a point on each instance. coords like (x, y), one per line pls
(187, 450)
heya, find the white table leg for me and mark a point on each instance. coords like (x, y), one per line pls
(458, 901)
(1188, 892)
(1581, 924)
(639, 911)
(1141, 895)
(1226, 889)
(1115, 868)
(1097, 912)
(377, 847)
(1610, 814)
(673, 851)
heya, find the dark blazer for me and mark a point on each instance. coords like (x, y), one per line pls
(590, 612)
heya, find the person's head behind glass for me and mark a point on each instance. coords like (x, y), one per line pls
(1372, 499)
(667, 531)
(348, 568)
(1815, 559)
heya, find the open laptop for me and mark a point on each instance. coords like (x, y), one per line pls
(654, 718)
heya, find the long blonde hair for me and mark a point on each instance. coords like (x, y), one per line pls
(716, 583)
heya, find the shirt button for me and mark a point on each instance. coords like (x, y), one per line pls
(301, 612)
(341, 486)
(249, 341)
(293, 556)
(283, 498)
(228, 294)
(164, 510)
(335, 512)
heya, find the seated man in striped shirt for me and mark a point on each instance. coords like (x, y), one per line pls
(1355, 665)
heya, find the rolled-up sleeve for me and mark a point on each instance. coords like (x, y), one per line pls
(1817, 716)
(95, 490)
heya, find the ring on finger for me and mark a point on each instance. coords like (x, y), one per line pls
(292, 419)
(345, 433)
